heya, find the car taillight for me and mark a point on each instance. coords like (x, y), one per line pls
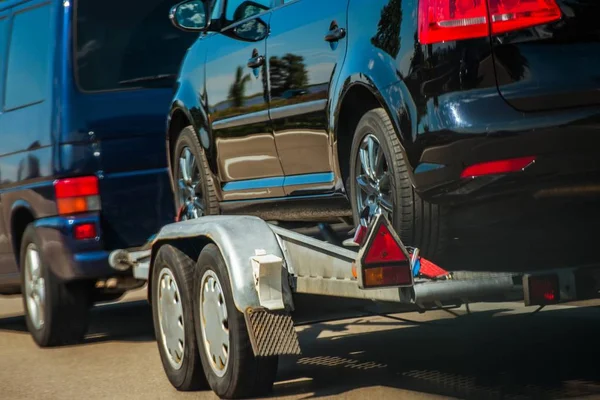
(77, 195)
(449, 20)
(512, 15)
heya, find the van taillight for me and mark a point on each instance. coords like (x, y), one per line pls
(77, 195)
(449, 20)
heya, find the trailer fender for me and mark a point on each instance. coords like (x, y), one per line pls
(240, 239)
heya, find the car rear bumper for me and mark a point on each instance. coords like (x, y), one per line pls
(566, 160)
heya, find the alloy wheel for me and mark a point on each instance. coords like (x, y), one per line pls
(35, 286)
(190, 186)
(373, 178)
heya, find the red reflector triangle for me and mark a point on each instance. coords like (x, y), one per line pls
(384, 248)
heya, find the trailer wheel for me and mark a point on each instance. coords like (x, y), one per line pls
(227, 357)
(56, 312)
(172, 307)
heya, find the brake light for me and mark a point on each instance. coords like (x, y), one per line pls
(542, 290)
(77, 195)
(449, 20)
(384, 260)
(497, 167)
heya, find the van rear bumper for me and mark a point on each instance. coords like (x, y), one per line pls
(71, 259)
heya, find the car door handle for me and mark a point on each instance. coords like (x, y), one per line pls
(335, 35)
(256, 62)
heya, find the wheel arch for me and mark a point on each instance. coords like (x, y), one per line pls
(21, 215)
(237, 249)
(360, 94)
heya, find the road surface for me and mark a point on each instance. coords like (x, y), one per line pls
(497, 351)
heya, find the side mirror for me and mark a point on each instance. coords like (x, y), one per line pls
(190, 15)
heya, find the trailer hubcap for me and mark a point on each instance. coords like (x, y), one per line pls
(215, 326)
(35, 286)
(373, 178)
(170, 317)
(190, 188)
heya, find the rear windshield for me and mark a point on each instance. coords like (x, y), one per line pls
(124, 44)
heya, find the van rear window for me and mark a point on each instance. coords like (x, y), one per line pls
(127, 44)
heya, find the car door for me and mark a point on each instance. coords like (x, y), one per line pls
(237, 90)
(306, 45)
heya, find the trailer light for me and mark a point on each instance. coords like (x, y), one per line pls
(84, 231)
(77, 195)
(542, 290)
(497, 167)
(384, 260)
(398, 275)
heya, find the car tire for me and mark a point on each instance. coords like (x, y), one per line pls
(242, 374)
(56, 312)
(172, 288)
(419, 223)
(202, 177)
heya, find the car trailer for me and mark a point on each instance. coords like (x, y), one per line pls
(222, 291)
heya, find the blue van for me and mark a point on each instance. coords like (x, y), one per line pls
(85, 87)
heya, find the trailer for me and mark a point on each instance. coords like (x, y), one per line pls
(222, 291)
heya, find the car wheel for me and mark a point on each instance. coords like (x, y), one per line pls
(227, 357)
(379, 181)
(195, 194)
(172, 308)
(56, 313)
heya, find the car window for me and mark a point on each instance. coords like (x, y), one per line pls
(238, 10)
(27, 74)
(135, 47)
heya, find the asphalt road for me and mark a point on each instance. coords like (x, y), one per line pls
(497, 351)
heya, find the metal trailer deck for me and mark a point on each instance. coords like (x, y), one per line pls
(267, 265)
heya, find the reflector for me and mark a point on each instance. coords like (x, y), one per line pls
(84, 231)
(497, 167)
(384, 248)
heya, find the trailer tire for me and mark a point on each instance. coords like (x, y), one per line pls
(173, 281)
(56, 312)
(240, 374)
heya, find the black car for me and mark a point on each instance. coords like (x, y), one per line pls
(306, 109)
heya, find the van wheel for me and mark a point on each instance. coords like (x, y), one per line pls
(172, 307)
(379, 181)
(227, 357)
(195, 195)
(56, 313)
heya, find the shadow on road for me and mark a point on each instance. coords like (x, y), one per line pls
(112, 322)
(473, 356)
(549, 355)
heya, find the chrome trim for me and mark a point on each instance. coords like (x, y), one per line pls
(298, 109)
(241, 120)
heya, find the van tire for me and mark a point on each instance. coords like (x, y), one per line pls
(244, 375)
(189, 139)
(66, 304)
